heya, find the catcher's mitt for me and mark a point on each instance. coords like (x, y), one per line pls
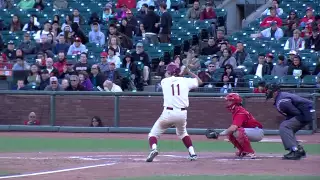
(212, 134)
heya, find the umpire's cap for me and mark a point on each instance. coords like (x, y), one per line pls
(271, 88)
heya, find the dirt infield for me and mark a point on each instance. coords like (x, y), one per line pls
(106, 165)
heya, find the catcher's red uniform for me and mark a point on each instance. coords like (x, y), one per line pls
(249, 129)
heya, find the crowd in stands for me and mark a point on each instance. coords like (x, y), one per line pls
(49, 48)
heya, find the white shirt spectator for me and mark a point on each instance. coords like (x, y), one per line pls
(115, 88)
(267, 33)
(141, 2)
(297, 45)
(38, 35)
(115, 59)
(259, 70)
(267, 12)
(25, 27)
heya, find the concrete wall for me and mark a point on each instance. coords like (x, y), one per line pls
(134, 111)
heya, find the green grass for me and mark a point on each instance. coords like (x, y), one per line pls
(2, 173)
(18, 144)
(235, 177)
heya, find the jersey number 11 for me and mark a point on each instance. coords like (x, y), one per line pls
(173, 90)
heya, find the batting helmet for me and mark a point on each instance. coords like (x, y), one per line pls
(173, 69)
(235, 99)
(271, 88)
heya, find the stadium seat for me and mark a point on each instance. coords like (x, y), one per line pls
(289, 81)
(124, 72)
(309, 81)
(251, 78)
(270, 79)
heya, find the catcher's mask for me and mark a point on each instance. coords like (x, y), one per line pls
(173, 69)
(271, 88)
(233, 100)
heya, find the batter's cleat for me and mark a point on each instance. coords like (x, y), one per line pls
(302, 151)
(152, 155)
(193, 157)
(240, 154)
(292, 155)
(250, 155)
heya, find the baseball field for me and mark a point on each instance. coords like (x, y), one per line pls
(98, 156)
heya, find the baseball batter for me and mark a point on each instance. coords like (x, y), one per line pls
(244, 128)
(175, 101)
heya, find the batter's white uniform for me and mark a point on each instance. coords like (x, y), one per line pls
(176, 100)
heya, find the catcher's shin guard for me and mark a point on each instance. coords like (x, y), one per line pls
(244, 141)
(235, 143)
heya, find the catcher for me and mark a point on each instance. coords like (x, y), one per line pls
(243, 130)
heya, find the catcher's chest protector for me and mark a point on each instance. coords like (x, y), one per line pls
(241, 110)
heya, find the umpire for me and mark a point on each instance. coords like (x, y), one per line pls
(298, 112)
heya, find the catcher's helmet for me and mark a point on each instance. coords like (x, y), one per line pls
(235, 99)
(271, 88)
(172, 69)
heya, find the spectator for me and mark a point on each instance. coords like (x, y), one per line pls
(130, 4)
(85, 81)
(95, 35)
(317, 69)
(141, 32)
(293, 18)
(261, 68)
(41, 59)
(45, 79)
(20, 86)
(67, 22)
(20, 65)
(165, 24)
(272, 32)
(103, 65)
(61, 46)
(191, 61)
(114, 42)
(28, 46)
(77, 32)
(142, 12)
(241, 55)
(32, 119)
(261, 88)
(142, 56)
(45, 45)
(132, 23)
(67, 71)
(39, 5)
(220, 36)
(272, 18)
(49, 66)
(296, 42)
(158, 3)
(19, 53)
(83, 64)
(281, 68)
(208, 76)
(96, 122)
(112, 58)
(211, 49)
(76, 18)
(215, 60)
(150, 21)
(60, 4)
(67, 34)
(297, 69)
(65, 83)
(26, 4)
(275, 5)
(34, 76)
(15, 25)
(109, 86)
(313, 42)
(161, 70)
(107, 14)
(56, 30)
(97, 78)
(127, 29)
(6, 4)
(51, 40)
(308, 19)
(54, 85)
(134, 73)
(77, 47)
(292, 27)
(62, 62)
(94, 18)
(113, 75)
(75, 84)
(230, 46)
(122, 13)
(177, 61)
(269, 61)
(229, 76)
(208, 13)
(194, 12)
(10, 52)
(291, 54)
(143, 2)
(46, 30)
(227, 58)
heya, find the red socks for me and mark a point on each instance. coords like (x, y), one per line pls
(187, 141)
(152, 140)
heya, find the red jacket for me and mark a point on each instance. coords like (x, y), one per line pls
(308, 22)
(208, 14)
(256, 90)
(59, 66)
(267, 21)
(129, 3)
(243, 119)
(36, 122)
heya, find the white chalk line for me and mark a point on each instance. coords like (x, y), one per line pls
(56, 171)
